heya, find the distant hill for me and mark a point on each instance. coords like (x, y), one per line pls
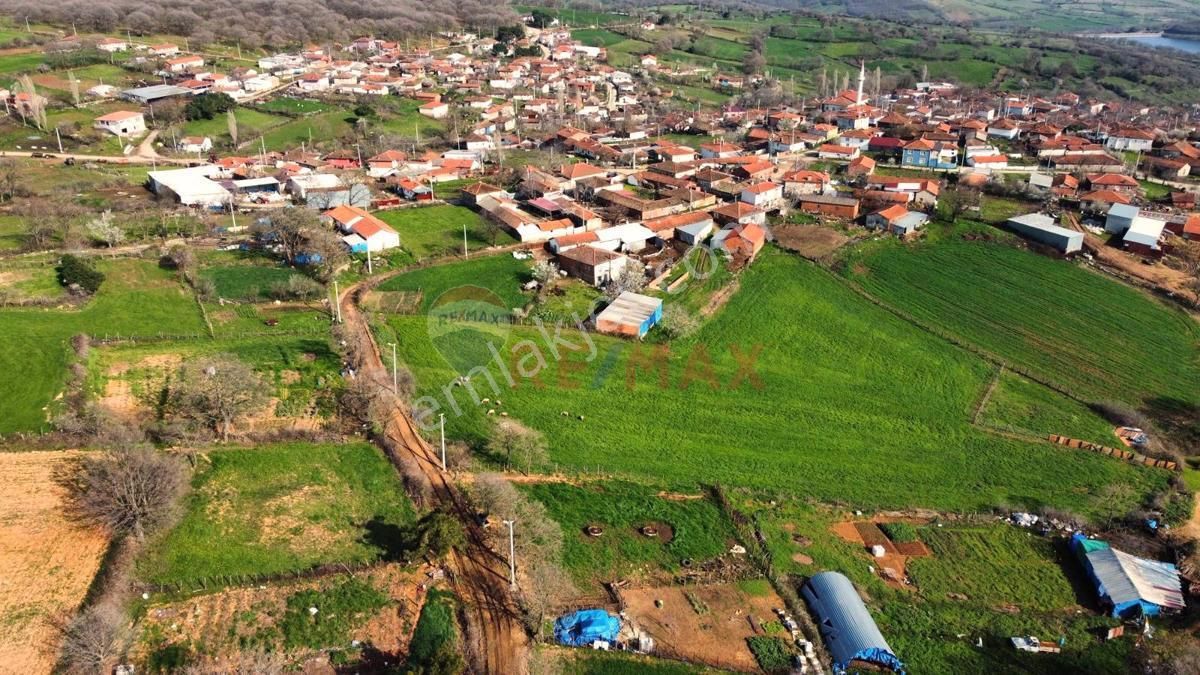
(1062, 16)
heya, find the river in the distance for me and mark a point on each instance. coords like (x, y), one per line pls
(1159, 42)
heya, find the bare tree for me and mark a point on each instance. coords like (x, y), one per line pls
(92, 639)
(513, 438)
(232, 123)
(288, 229)
(130, 492)
(216, 392)
(11, 180)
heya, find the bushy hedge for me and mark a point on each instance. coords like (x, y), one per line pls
(75, 270)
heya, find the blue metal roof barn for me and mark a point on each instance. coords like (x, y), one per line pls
(849, 632)
(582, 628)
(1130, 584)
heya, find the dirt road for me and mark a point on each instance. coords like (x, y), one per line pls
(479, 575)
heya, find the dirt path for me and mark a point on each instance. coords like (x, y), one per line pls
(478, 575)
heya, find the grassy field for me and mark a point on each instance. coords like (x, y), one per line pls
(137, 298)
(855, 405)
(251, 123)
(322, 130)
(1096, 337)
(280, 508)
(975, 569)
(247, 282)
(438, 230)
(1019, 405)
(501, 274)
(700, 532)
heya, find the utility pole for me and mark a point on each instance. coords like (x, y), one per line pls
(370, 268)
(395, 382)
(232, 213)
(442, 423)
(59, 137)
(465, 254)
(512, 555)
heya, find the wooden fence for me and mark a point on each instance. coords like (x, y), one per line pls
(1127, 455)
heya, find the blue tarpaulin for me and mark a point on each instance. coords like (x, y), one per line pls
(582, 628)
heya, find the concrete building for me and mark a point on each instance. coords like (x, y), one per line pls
(122, 123)
(1041, 228)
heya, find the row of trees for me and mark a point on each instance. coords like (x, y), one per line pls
(267, 22)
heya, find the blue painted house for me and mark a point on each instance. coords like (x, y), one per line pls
(926, 154)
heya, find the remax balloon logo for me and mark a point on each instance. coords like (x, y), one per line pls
(466, 324)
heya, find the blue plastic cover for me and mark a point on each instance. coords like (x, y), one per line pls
(582, 628)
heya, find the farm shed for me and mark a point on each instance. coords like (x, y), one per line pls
(841, 207)
(631, 314)
(1132, 586)
(849, 632)
(193, 186)
(586, 626)
(1041, 228)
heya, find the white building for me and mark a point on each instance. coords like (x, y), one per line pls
(122, 123)
(193, 186)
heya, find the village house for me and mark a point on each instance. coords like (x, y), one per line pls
(195, 144)
(364, 232)
(184, 64)
(122, 123)
(764, 195)
(593, 265)
(806, 182)
(112, 45)
(897, 220)
(1135, 140)
(840, 152)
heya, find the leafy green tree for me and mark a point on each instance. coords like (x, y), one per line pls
(73, 270)
(208, 106)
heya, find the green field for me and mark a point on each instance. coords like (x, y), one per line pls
(137, 298)
(251, 123)
(322, 130)
(12, 64)
(438, 230)
(856, 406)
(247, 282)
(280, 508)
(1026, 407)
(983, 580)
(501, 274)
(1093, 336)
(700, 531)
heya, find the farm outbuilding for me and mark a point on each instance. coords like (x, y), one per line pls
(1132, 586)
(631, 314)
(849, 632)
(1041, 228)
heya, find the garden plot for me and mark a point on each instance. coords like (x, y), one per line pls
(225, 623)
(47, 563)
(706, 623)
(279, 509)
(129, 381)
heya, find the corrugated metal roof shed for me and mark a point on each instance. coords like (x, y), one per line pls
(1132, 584)
(849, 632)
